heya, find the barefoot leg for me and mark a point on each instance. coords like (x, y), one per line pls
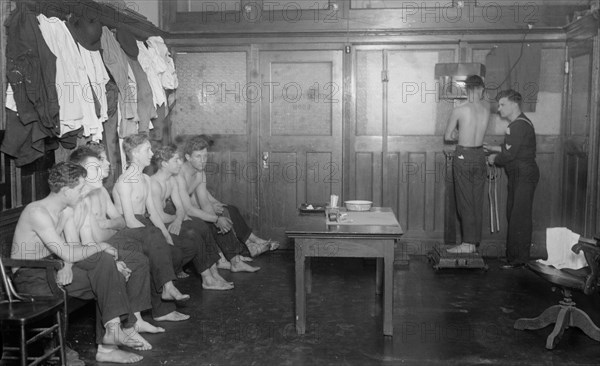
(173, 316)
(142, 326)
(170, 292)
(237, 265)
(113, 354)
(117, 336)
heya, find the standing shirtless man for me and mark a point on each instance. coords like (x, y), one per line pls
(469, 122)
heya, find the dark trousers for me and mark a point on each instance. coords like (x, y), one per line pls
(97, 277)
(164, 260)
(523, 177)
(228, 243)
(197, 244)
(469, 180)
(241, 228)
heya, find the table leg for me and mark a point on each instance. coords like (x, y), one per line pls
(379, 276)
(300, 291)
(388, 293)
(308, 275)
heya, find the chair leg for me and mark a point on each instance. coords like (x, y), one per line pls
(562, 322)
(23, 342)
(543, 320)
(582, 321)
(61, 339)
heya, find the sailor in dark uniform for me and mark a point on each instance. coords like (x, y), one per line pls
(517, 156)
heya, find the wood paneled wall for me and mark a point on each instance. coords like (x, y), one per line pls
(399, 163)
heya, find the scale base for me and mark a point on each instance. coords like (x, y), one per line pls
(440, 258)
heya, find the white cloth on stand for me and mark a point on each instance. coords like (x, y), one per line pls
(559, 241)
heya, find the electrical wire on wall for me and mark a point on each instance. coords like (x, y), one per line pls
(529, 28)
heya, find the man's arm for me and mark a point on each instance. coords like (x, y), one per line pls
(186, 203)
(175, 226)
(65, 249)
(512, 143)
(156, 196)
(123, 189)
(116, 221)
(154, 215)
(223, 223)
(451, 135)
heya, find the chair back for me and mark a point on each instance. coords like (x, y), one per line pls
(7, 286)
(591, 250)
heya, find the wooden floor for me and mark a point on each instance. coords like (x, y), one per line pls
(456, 317)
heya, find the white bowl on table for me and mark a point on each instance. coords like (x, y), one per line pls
(358, 205)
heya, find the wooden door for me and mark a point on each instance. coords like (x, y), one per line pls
(576, 137)
(300, 143)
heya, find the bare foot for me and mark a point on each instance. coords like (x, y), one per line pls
(211, 283)
(115, 355)
(215, 273)
(170, 292)
(246, 259)
(143, 326)
(257, 249)
(174, 316)
(224, 264)
(273, 245)
(117, 336)
(464, 248)
(181, 275)
(240, 266)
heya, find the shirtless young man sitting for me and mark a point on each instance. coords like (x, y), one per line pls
(132, 199)
(256, 246)
(48, 228)
(192, 174)
(192, 236)
(108, 225)
(469, 122)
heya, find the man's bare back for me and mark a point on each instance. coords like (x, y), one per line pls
(471, 120)
(26, 242)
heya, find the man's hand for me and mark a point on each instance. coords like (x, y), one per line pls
(492, 148)
(107, 248)
(65, 275)
(491, 159)
(175, 226)
(136, 224)
(124, 270)
(168, 238)
(218, 207)
(224, 224)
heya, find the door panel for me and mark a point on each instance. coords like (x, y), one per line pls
(300, 134)
(576, 138)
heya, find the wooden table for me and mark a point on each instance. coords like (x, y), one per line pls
(313, 237)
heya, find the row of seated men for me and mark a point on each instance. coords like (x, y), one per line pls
(126, 255)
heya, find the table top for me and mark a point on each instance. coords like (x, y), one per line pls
(314, 225)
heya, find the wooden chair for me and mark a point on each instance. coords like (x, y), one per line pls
(565, 314)
(21, 311)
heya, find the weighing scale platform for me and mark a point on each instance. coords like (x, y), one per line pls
(440, 258)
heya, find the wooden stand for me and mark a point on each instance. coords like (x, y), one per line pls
(440, 258)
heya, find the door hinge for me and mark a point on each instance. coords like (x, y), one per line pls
(566, 67)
